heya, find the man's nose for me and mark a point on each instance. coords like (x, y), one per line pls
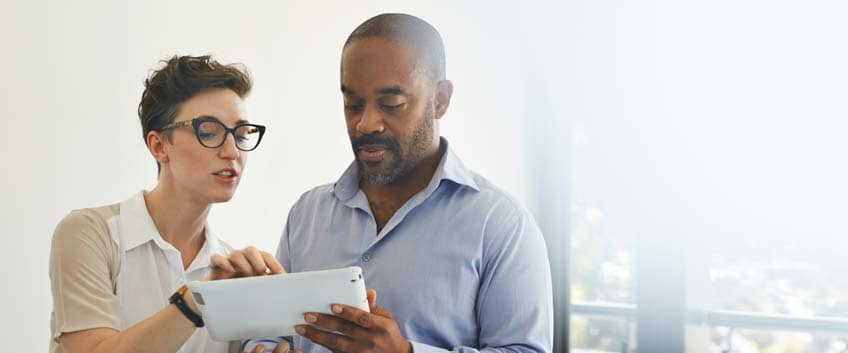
(370, 122)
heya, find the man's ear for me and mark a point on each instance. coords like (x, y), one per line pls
(444, 91)
(156, 146)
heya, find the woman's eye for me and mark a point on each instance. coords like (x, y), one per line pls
(206, 135)
(353, 108)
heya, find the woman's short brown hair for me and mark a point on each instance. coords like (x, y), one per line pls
(181, 78)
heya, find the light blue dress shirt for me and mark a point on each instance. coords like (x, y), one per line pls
(461, 265)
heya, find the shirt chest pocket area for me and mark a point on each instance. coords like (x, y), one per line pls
(139, 291)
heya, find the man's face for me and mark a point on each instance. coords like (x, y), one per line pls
(389, 109)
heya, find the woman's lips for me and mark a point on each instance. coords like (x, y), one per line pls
(229, 180)
(226, 175)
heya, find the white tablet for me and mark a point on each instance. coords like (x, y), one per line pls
(271, 306)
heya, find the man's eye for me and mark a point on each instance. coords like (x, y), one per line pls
(352, 107)
(391, 108)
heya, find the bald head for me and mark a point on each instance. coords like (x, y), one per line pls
(411, 32)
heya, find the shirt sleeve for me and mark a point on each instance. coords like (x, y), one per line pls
(515, 299)
(283, 247)
(83, 259)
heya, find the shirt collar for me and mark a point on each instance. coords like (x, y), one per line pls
(137, 228)
(450, 168)
(136, 225)
(212, 245)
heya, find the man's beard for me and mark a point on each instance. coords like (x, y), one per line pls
(400, 165)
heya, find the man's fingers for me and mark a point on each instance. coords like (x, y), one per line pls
(371, 295)
(263, 346)
(272, 263)
(281, 347)
(380, 311)
(332, 323)
(330, 340)
(258, 349)
(355, 315)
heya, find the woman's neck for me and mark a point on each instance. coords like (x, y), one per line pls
(179, 219)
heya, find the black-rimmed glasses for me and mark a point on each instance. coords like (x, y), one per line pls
(212, 133)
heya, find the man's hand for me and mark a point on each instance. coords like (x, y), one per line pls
(351, 330)
(282, 347)
(247, 262)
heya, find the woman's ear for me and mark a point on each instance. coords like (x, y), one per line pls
(156, 146)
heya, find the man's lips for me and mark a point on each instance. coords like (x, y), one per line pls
(372, 153)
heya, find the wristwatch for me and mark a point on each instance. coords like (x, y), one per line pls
(177, 299)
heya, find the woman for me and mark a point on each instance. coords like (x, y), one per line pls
(118, 272)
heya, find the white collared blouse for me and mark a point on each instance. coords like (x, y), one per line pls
(110, 267)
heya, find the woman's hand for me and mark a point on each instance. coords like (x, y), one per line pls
(247, 262)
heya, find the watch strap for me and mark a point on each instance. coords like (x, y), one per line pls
(178, 299)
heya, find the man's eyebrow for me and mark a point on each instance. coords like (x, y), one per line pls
(396, 90)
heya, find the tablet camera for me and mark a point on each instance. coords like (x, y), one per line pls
(198, 298)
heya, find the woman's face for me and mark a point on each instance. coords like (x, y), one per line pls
(202, 174)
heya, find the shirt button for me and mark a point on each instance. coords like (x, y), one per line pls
(366, 257)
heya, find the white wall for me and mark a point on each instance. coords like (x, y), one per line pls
(72, 78)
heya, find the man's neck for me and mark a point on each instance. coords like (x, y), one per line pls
(385, 200)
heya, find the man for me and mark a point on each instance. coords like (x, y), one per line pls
(458, 264)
